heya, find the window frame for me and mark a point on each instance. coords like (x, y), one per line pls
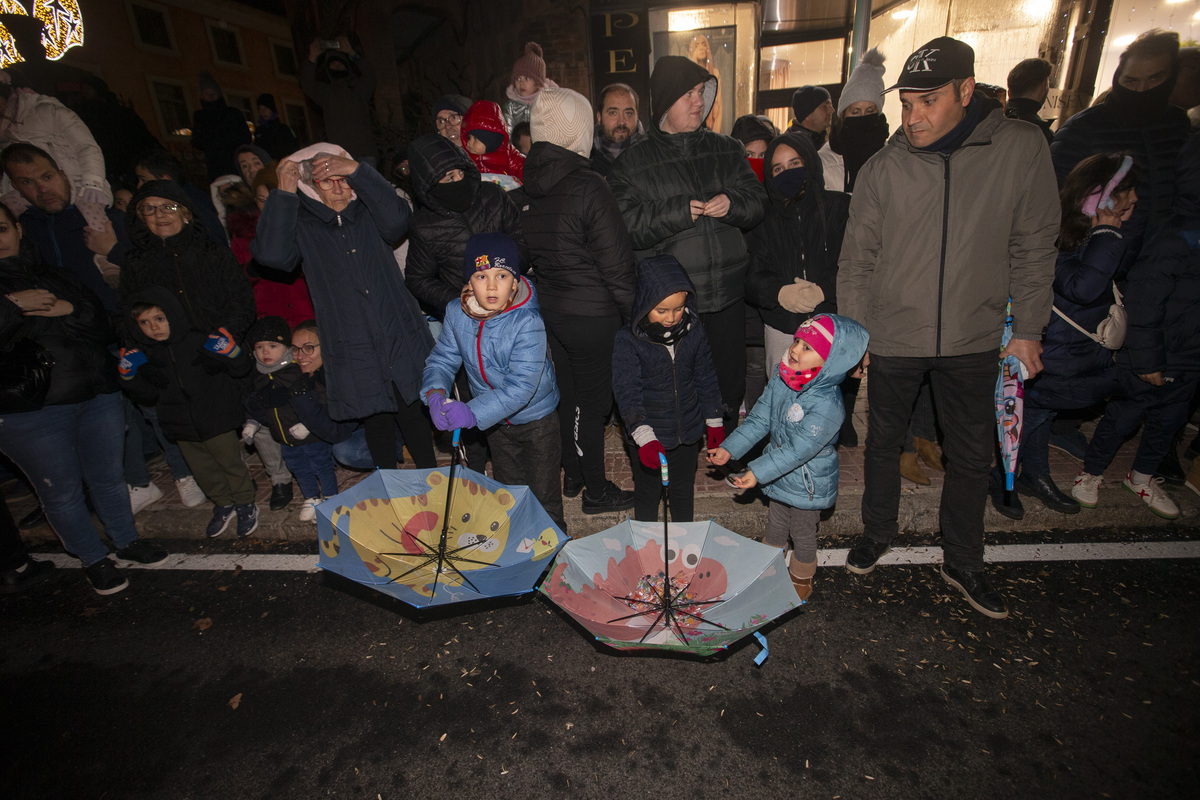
(138, 42)
(151, 80)
(225, 27)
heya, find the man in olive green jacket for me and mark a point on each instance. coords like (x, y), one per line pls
(958, 213)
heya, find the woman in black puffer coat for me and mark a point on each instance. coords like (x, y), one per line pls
(203, 275)
(583, 267)
(77, 436)
(449, 212)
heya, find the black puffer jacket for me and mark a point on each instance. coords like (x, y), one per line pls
(581, 253)
(1154, 145)
(203, 275)
(79, 342)
(797, 239)
(673, 392)
(269, 402)
(198, 395)
(438, 237)
(655, 181)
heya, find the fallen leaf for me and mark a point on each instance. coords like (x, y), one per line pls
(202, 624)
(236, 701)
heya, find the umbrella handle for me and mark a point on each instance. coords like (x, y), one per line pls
(662, 468)
(455, 438)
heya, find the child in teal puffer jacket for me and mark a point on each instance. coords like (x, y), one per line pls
(802, 411)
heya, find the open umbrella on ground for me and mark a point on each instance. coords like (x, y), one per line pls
(436, 536)
(1010, 406)
(686, 586)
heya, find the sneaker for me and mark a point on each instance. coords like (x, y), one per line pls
(105, 578)
(142, 496)
(1087, 489)
(18, 580)
(610, 498)
(1074, 444)
(281, 495)
(571, 487)
(141, 552)
(222, 516)
(247, 519)
(1153, 496)
(308, 509)
(977, 591)
(189, 492)
(865, 553)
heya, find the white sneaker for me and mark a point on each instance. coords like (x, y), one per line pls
(1153, 496)
(308, 509)
(1087, 489)
(142, 496)
(189, 492)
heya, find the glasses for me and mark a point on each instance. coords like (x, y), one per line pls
(149, 211)
(325, 184)
(453, 119)
(307, 349)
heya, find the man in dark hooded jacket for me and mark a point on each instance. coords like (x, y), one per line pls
(690, 192)
(218, 129)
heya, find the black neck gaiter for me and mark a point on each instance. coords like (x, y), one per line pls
(856, 139)
(1138, 108)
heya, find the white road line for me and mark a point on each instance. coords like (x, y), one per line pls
(997, 554)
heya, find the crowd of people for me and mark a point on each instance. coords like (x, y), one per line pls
(538, 269)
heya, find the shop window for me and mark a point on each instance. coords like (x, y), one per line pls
(151, 26)
(790, 66)
(226, 44)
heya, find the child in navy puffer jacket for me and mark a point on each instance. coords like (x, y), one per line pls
(802, 411)
(666, 387)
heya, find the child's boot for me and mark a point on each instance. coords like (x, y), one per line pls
(802, 577)
(308, 510)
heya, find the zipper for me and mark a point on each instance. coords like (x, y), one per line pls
(945, 234)
(278, 421)
(675, 384)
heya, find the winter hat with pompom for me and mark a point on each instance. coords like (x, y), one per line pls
(531, 65)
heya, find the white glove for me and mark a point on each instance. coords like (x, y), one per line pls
(800, 296)
(298, 431)
(248, 430)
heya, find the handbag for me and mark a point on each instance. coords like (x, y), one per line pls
(1110, 333)
(24, 376)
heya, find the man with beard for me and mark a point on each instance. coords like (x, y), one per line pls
(860, 130)
(1028, 86)
(617, 126)
(813, 111)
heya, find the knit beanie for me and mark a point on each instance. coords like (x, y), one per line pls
(806, 99)
(488, 250)
(451, 102)
(269, 329)
(865, 84)
(267, 99)
(531, 65)
(562, 117)
(491, 139)
(818, 333)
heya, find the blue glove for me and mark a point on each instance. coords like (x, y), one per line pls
(221, 343)
(130, 361)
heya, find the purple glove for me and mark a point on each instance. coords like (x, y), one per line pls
(435, 402)
(456, 415)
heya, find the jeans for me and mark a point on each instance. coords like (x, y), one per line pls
(726, 331)
(681, 490)
(312, 464)
(353, 452)
(582, 349)
(528, 455)
(62, 447)
(136, 473)
(1034, 455)
(1164, 409)
(964, 391)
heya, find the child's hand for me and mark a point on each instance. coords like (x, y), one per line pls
(298, 431)
(454, 415)
(248, 430)
(747, 481)
(221, 343)
(719, 456)
(130, 361)
(649, 452)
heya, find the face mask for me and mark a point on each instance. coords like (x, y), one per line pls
(456, 196)
(1147, 106)
(791, 182)
(795, 379)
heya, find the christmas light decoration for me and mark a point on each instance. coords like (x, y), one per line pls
(62, 28)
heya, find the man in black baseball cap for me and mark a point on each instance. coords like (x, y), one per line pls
(936, 87)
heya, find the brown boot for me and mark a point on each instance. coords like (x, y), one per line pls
(929, 453)
(802, 577)
(911, 470)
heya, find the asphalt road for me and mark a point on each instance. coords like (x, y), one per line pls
(198, 684)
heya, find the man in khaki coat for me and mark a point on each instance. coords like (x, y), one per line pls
(958, 213)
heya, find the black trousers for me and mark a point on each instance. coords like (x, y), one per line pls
(964, 393)
(582, 350)
(647, 484)
(527, 455)
(415, 427)
(1164, 409)
(726, 330)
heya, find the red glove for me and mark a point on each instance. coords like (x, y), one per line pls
(715, 437)
(648, 454)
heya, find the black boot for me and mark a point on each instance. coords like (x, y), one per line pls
(1004, 501)
(1169, 469)
(1042, 487)
(281, 495)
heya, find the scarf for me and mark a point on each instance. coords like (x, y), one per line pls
(954, 139)
(662, 334)
(856, 139)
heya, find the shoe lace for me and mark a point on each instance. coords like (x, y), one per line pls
(1155, 488)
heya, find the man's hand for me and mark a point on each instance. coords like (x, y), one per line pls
(717, 207)
(1153, 378)
(289, 176)
(861, 369)
(697, 209)
(1028, 352)
(100, 242)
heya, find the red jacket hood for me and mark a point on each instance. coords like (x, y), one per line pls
(506, 159)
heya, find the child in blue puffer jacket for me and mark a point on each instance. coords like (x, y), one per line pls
(666, 388)
(802, 411)
(495, 332)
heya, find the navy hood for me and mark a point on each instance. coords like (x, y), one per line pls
(429, 158)
(164, 299)
(657, 278)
